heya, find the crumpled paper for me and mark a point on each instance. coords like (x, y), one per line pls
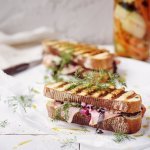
(36, 121)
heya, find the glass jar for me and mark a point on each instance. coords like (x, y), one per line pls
(132, 28)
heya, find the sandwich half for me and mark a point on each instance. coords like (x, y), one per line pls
(88, 57)
(113, 109)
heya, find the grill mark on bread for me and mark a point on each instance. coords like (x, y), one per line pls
(63, 45)
(131, 96)
(87, 91)
(81, 51)
(90, 53)
(92, 90)
(134, 98)
(114, 94)
(94, 100)
(61, 85)
(55, 85)
(104, 94)
(64, 87)
(77, 89)
(99, 57)
(99, 93)
(124, 97)
(97, 51)
(93, 52)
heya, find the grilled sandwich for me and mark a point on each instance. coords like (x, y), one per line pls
(88, 57)
(113, 109)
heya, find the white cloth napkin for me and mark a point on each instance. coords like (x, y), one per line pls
(24, 46)
(36, 35)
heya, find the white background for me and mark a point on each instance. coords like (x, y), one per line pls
(82, 20)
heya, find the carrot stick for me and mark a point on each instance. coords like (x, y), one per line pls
(132, 50)
(122, 41)
(142, 9)
(130, 43)
(136, 53)
(149, 9)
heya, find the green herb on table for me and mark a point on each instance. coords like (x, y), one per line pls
(120, 137)
(138, 134)
(84, 129)
(25, 101)
(46, 79)
(69, 143)
(35, 91)
(3, 124)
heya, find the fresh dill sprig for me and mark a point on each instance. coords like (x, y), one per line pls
(84, 129)
(46, 78)
(65, 109)
(120, 137)
(25, 101)
(57, 115)
(101, 79)
(35, 91)
(3, 124)
(114, 78)
(69, 143)
(66, 57)
(72, 86)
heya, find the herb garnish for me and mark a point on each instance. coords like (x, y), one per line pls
(46, 78)
(35, 91)
(25, 101)
(72, 86)
(101, 79)
(66, 57)
(68, 143)
(3, 124)
(120, 137)
(65, 109)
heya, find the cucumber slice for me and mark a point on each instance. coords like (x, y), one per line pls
(120, 12)
(135, 25)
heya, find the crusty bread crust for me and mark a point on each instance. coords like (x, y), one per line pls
(122, 124)
(123, 106)
(96, 64)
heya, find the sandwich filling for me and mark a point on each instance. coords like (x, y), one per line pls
(66, 111)
(53, 61)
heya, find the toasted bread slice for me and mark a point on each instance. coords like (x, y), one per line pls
(114, 99)
(123, 124)
(88, 56)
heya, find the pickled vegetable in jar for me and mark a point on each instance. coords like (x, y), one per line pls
(132, 28)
